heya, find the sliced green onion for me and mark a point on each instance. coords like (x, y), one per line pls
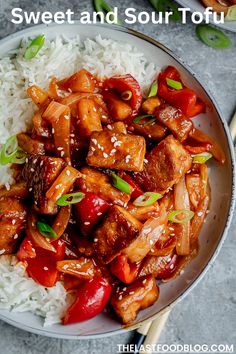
(166, 6)
(103, 6)
(34, 47)
(146, 199)
(20, 157)
(120, 184)
(72, 198)
(46, 230)
(213, 37)
(231, 13)
(174, 84)
(180, 216)
(151, 119)
(126, 95)
(153, 89)
(9, 150)
(202, 158)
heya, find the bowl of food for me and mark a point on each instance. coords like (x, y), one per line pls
(228, 7)
(117, 180)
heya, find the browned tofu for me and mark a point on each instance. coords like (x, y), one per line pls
(150, 104)
(88, 117)
(117, 151)
(97, 182)
(29, 145)
(12, 223)
(166, 164)
(138, 296)
(174, 120)
(154, 131)
(117, 231)
(117, 127)
(40, 172)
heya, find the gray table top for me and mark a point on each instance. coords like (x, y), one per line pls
(213, 320)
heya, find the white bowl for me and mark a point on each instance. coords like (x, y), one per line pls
(221, 177)
(196, 5)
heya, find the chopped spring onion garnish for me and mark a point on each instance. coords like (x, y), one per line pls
(153, 89)
(148, 119)
(34, 47)
(180, 216)
(72, 198)
(10, 153)
(126, 95)
(167, 6)
(202, 158)
(231, 13)
(46, 230)
(120, 184)
(146, 199)
(212, 37)
(103, 6)
(174, 84)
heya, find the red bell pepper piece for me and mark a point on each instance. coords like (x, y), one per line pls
(194, 150)
(89, 212)
(91, 298)
(123, 270)
(42, 268)
(136, 192)
(126, 83)
(26, 250)
(185, 99)
(167, 266)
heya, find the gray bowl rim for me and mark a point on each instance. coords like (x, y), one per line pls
(44, 332)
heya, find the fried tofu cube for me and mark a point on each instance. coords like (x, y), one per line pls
(150, 104)
(39, 173)
(129, 301)
(12, 222)
(117, 231)
(99, 183)
(117, 127)
(88, 117)
(154, 131)
(166, 164)
(117, 151)
(174, 120)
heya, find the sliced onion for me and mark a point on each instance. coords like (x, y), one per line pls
(35, 236)
(146, 199)
(61, 222)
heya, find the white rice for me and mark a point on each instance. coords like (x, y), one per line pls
(60, 58)
(19, 293)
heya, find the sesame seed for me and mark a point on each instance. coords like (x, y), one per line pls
(113, 151)
(109, 127)
(68, 173)
(66, 117)
(152, 250)
(113, 139)
(95, 240)
(53, 130)
(100, 147)
(120, 297)
(32, 169)
(94, 141)
(124, 289)
(41, 163)
(86, 223)
(105, 155)
(171, 266)
(13, 221)
(2, 251)
(30, 189)
(72, 141)
(62, 153)
(65, 266)
(34, 161)
(60, 148)
(200, 213)
(98, 214)
(94, 109)
(131, 292)
(92, 148)
(72, 135)
(144, 281)
(45, 268)
(58, 186)
(145, 161)
(151, 242)
(172, 234)
(171, 229)
(16, 236)
(118, 143)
